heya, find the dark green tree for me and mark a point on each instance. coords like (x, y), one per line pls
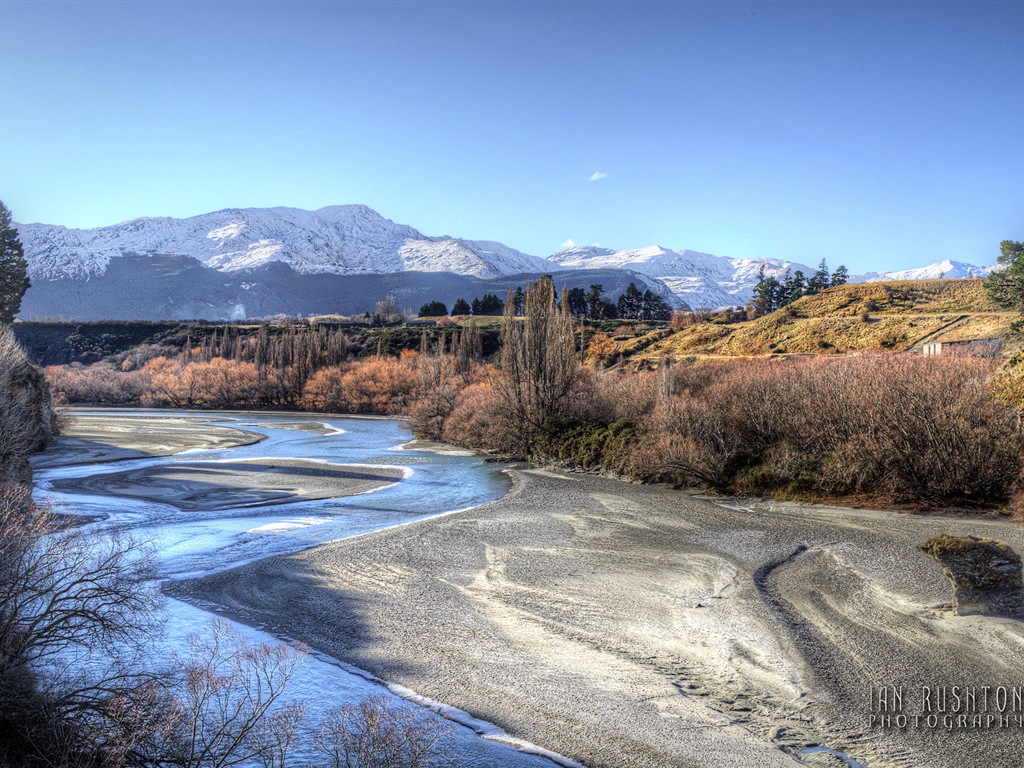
(13, 268)
(840, 276)
(797, 287)
(594, 300)
(631, 302)
(767, 294)
(1005, 287)
(460, 307)
(518, 299)
(653, 307)
(577, 302)
(433, 309)
(489, 304)
(819, 281)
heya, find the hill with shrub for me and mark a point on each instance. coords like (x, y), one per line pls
(873, 317)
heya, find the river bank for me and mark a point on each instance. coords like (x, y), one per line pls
(627, 625)
(617, 624)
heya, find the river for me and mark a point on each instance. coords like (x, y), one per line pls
(202, 542)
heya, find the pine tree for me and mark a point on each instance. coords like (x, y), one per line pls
(631, 302)
(819, 281)
(1005, 287)
(594, 300)
(840, 276)
(577, 299)
(460, 307)
(13, 268)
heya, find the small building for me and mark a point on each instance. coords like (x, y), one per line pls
(975, 347)
(421, 322)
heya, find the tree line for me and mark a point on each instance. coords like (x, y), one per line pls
(592, 304)
(771, 293)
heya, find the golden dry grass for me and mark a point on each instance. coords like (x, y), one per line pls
(894, 316)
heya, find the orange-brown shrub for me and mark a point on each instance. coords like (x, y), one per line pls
(910, 429)
(378, 385)
(99, 384)
(323, 392)
(479, 421)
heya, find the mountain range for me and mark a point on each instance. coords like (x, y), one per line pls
(253, 262)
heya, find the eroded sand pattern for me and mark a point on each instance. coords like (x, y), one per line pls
(625, 625)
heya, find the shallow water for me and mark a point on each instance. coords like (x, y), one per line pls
(193, 543)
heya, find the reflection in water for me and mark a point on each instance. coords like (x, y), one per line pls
(204, 541)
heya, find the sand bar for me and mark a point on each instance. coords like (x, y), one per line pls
(209, 485)
(94, 438)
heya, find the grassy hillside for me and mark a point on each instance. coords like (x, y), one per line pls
(863, 317)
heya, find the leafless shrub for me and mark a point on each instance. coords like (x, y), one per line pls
(66, 594)
(438, 388)
(377, 734)
(218, 706)
(907, 428)
(27, 421)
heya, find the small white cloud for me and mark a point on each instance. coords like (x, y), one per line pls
(568, 244)
(597, 176)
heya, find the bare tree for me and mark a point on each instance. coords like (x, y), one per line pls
(539, 369)
(387, 309)
(221, 707)
(74, 604)
(377, 734)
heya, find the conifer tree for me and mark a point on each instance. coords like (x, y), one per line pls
(13, 268)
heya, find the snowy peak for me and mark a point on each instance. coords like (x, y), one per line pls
(945, 268)
(340, 239)
(698, 279)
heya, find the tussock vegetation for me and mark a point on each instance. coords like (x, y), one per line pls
(874, 317)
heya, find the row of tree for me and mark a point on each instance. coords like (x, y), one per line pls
(632, 304)
(772, 293)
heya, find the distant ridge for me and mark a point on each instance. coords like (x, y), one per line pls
(229, 262)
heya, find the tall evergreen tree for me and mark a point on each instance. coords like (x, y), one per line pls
(460, 307)
(840, 276)
(819, 281)
(631, 302)
(517, 300)
(13, 268)
(577, 298)
(1005, 287)
(653, 307)
(594, 300)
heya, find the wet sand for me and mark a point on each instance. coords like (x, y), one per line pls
(626, 625)
(209, 485)
(90, 439)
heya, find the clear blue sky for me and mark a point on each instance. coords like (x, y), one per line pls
(881, 135)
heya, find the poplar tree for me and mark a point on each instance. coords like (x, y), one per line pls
(539, 370)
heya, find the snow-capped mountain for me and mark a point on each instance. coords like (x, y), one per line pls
(256, 261)
(945, 268)
(343, 239)
(699, 279)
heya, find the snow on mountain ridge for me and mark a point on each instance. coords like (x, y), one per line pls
(945, 268)
(699, 279)
(355, 239)
(341, 239)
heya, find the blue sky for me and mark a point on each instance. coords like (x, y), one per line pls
(880, 135)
